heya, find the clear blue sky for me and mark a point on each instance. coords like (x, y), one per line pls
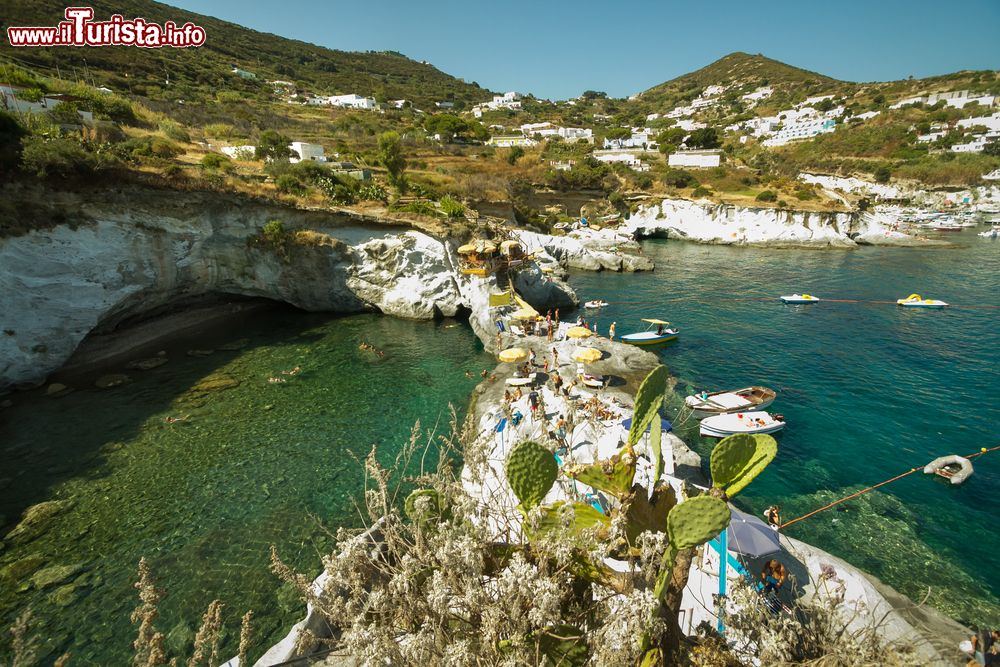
(558, 49)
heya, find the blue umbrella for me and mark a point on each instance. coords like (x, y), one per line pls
(664, 425)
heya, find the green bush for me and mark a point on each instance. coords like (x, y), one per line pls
(175, 131)
(701, 191)
(66, 113)
(373, 192)
(55, 157)
(289, 184)
(882, 175)
(679, 178)
(767, 196)
(451, 207)
(216, 161)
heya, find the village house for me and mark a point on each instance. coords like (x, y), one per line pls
(351, 101)
(627, 159)
(803, 129)
(9, 101)
(514, 140)
(761, 93)
(306, 152)
(642, 137)
(244, 152)
(957, 99)
(243, 74)
(700, 159)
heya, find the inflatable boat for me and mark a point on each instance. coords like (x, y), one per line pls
(954, 468)
(799, 298)
(595, 304)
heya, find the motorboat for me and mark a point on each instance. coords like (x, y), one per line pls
(656, 333)
(956, 469)
(595, 304)
(916, 301)
(991, 233)
(719, 426)
(943, 226)
(736, 400)
(800, 298)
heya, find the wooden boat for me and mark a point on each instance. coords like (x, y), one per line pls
(661, 334)
(799, 298)
(737, 400)
(595, 304)
(720, 426)
(916, 301)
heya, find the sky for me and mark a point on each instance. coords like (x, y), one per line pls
(557, 49)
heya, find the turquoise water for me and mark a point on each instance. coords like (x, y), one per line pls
(203, 499)
(869, 390)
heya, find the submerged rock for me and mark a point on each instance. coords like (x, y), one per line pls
(55, 574)
(200, 353)
(56, 389)
(36, 519)
(214, 382)
(112, 380)
(21, 569)
(147, 364)
(65, 595)
(234, 345)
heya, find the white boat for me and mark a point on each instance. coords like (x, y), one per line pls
(916, 301)
(799, 298)
(720, 426)
(737, 400)
(661, 334)
(943, 226)
(595, 304)
(991, 233)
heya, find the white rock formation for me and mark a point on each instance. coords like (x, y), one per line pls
(607, 249)
(736, 225)
(144, 253)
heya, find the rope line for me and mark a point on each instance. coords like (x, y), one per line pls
(769, 299)
(872, 488)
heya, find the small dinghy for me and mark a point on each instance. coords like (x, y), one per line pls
(595, 304)
(991, 233)
(954, 468)
(799, 298)
(720, 426)
(916, 301)
(737, 400)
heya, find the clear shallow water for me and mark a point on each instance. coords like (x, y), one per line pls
(204, 499)
(868, 390)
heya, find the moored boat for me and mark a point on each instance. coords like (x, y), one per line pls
(916, 301)
(991, 233)
(799, 298)
(736, 400)
(595, 304)
(720, 426)
(656, 333)
(954, 468)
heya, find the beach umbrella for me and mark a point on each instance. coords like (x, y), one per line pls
(514, 354)
(665, 426)
(750, 536)
(579, 332)
(587, 355)
(524, 314)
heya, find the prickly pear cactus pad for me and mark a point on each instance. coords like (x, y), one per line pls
(696, 521)
(531, 472)
(737, 459)
(418, 509)
(648, 400)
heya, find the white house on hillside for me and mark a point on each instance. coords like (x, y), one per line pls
(642, 137)
(989, 122)
(507, 142)
(351, 101)
(305, 151)
(761, 93)
(699, 159)
(957, 99)
(10, 101)
(804, 129)
(626, 159)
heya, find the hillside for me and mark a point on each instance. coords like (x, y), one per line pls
(197, 72)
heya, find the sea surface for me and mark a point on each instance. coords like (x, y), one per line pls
(869, 390)
(204, 498)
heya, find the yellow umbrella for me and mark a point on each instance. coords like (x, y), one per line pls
(579, 332)
(587, 355)
(524, 314)
(514, 354)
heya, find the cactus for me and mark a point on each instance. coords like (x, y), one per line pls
(650, 513)
(655, 440)
(737, 459)
(584, 519)
(435, 511)
(613, 476)
(531, 472)
(696, 521)
(648, 400)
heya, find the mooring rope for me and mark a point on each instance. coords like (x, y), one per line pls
(982, 451)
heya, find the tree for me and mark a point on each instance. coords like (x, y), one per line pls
(390, 155)
(11, 134)
(273, 146)
(706, 137)
(992, 148)
(670, 139)
(882, 175)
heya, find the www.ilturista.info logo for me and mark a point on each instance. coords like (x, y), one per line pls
(79, 30)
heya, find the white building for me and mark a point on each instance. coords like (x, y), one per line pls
(757, 127)
(927, 138)
(10, 101)
(680, 112)
(507, 142)
(305, 151)
(812, 101)
(245, 152)
(977, 144)
(866, 115)
(698, 159)
(509, 100)
(547, 130)
(627, 159)
(689, 125)
(351, 101)
(992, 176)
(761, 93)
(642, 137)
(957, 99)
(989, 122)
(804, 129)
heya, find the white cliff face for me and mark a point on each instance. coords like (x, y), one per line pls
(734, 225)
(59, 285)
(853, 185)
(607, 249)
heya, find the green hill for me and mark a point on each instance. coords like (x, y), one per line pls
(198, 73)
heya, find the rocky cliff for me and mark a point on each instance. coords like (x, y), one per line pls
(129, 253)
(735, 225)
